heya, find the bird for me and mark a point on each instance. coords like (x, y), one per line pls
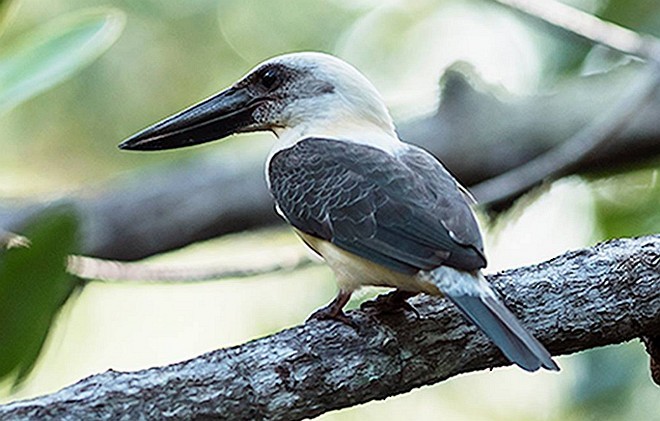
(378, 210)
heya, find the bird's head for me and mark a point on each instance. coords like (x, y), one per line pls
(293, 91)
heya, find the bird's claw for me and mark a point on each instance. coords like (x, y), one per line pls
(393, 302)
(327, 313)
(334, 310)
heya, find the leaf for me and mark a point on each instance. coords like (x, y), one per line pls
(55, 52)
(7, 12)
(34, 285)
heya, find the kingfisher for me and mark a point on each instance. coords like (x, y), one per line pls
(378, 210)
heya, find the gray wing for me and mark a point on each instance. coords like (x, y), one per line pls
(405, 212)
(458, 218)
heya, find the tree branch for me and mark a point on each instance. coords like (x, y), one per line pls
(111, 270)
(10, 240)
(590, 27)
(583, 299)
(558, 161)
(510, 185)
(504, 188)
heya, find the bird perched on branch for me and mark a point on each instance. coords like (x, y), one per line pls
(378, 210)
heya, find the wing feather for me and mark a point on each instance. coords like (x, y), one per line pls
(404, 212)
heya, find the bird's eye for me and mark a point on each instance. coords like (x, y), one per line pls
(270, 78)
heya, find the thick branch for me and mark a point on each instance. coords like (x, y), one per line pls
(584, 299)
(474, 133)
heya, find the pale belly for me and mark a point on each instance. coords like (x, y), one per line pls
(352, 271)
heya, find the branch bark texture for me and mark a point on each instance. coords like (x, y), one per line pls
(583, 299)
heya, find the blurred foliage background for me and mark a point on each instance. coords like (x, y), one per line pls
(77, 77)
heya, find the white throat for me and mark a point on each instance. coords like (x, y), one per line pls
(345, 129)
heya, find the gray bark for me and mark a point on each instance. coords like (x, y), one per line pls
(583, 299)
(477, 136)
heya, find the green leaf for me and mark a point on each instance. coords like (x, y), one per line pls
(7, 12)
(55, 52)
(34, 285)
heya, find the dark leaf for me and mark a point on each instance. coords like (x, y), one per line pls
(34, 285)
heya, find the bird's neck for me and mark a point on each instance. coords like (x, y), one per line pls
(352, 130)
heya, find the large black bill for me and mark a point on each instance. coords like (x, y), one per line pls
(214, 118)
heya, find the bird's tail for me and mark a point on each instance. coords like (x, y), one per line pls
(473, 296)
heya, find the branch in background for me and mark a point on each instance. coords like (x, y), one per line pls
(590, 27)
(9, 240)
(504, 188)
(112, 270)
(583, 299)
(476, 135)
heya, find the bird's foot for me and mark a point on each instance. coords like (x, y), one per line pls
(393, 302)
(335, 310)
(326, 314)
